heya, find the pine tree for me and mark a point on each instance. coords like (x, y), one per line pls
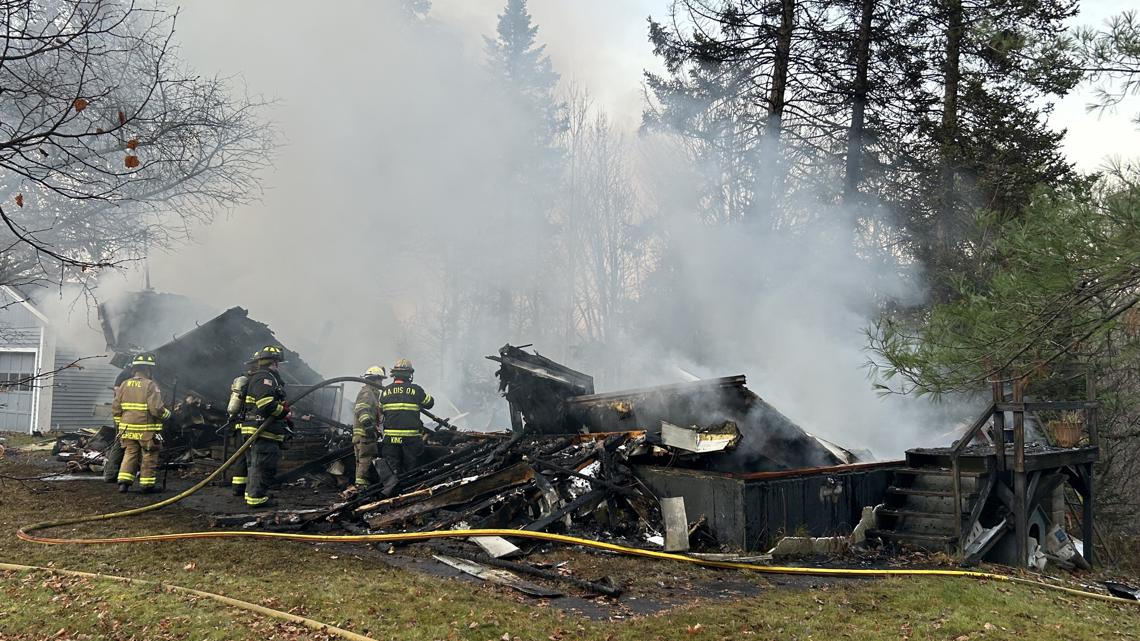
(517, 59)
(1112, 58)
(936, 110)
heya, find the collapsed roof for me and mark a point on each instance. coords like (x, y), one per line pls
(538, 388)
(205, 360)
(551, 398)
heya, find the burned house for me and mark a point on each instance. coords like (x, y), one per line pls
(195, 371)
(736, 460)
(196, 367)
(752, 475)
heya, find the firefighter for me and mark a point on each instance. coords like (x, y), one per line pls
(237, 416)
(264, 400)
(138, 411)
(113, 455)
(400, 403)
(366, 417)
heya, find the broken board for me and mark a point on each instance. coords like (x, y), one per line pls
(500, 577)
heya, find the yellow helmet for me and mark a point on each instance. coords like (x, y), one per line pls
(376, 371)
(270, 353)
(144, 359)
(402, 366)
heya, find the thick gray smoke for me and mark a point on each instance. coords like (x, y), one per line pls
(398, 150)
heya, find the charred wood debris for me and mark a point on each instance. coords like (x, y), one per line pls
(567, 465)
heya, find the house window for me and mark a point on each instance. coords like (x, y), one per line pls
(16, 381)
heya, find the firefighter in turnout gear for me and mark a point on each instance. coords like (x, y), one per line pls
(400, 403)
(366, 419)
(264, 400)
(114, 453)
(236, 411)
(138, 411)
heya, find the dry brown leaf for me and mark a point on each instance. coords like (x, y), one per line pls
(19, 200)
(694, 629)
(80, 104)
(133, 144)
(131, 161)
(122, 118)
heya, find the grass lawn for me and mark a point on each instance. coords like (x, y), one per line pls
(349, 587)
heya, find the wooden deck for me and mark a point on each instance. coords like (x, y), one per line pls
(980, 458)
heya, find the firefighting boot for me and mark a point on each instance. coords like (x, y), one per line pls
(238, 490)
(123, 487)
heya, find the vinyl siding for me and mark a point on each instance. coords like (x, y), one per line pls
(79, 392)
(19, 328)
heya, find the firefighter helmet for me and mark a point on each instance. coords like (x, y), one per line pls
(376, 371)
(270, 353)
(145, 358)
(403, 366)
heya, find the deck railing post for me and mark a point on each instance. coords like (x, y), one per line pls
(957, 510)
(999, 424)
(1020, 512)
(1090, 409)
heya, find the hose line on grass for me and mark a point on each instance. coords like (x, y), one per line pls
(25, 533)
(237, 603)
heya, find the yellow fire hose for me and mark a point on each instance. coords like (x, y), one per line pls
(25, 533)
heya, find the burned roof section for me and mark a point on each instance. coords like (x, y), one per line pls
(204, 360)
(768, 440)
(145, 319)
(538, 388)
(551, 398)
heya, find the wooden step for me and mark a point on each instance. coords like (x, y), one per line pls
(910, 491)
(946, 516)
(938, 471)
(944, 540)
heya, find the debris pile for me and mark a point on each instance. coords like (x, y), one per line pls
(578, 483)
(84, 450)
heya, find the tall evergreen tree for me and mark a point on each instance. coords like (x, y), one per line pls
(988, 142)
(936, 109)
(515, 56)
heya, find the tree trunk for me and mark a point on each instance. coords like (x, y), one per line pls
(776, 96)
(949, 130)
(855, 135)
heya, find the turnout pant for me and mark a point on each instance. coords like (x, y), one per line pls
(239, 469)
(113, 461)
(262, 458)
(140, 455)
(366, 450)
(403, 453)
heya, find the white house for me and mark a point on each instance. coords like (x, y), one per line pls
(31, 399)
